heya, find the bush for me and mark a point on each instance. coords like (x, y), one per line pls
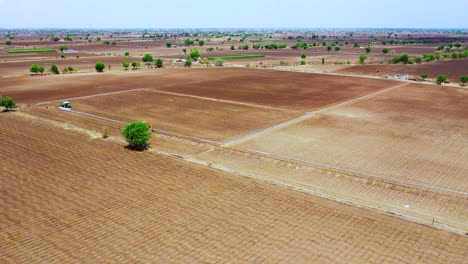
(54, 69)
(8, 103)
(368, 49)
(424, 76)
(8, 42)
(442, 78)
(385, 50)
(403, 58)
(362, 58)
(303, 56)
(63, 47)
(188, 63)
(159, 63)
(125, 64)
(137, 134)
(136, 65)
(303, 62)
(464, 79)
(195, 54)
(100, 66)
(127, 53)
(168, 44)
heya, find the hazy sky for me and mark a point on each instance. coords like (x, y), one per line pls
(234, 13)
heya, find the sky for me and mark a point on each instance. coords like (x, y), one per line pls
(233, 14)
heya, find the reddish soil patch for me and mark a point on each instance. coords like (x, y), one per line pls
(289, 90)
(66, 198)
(206, 119)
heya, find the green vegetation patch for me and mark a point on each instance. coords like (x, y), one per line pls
(246, 56)
(30, 50)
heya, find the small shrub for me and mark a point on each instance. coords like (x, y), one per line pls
(442, 78)
(105, 134)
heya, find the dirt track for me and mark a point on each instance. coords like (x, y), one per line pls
(144, 207)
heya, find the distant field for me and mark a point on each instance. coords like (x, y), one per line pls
(29, 50)
(266, 40)
(246, 56)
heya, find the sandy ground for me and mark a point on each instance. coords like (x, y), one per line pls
(97, 201)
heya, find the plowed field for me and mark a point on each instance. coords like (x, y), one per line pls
(415, 133)
(68, 199)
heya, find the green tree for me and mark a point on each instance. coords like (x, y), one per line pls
(125, 64)
(424, 76)
(329, 48)
(100, 66)
(368, 49)
(34, 68)
(8, 42)
(159, 63)
(442, 78)
(54, 69)
(69, 38)
(147, 58)
(63, 47)
(168, 44)
(303, 62)
(188, 42)
(201, 42)
(337, 48)
(385, 50)
(8, 103)
(188, 63)
(362, 58)
(303, 56)
(323, 61)
(127, 54)
(137, 134)
(184, 50)
(40, 69)
(195, 54)
(55, 38)
(136, 65)
(464, 79)
(97, 39)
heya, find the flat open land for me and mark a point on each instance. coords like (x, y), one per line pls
(288, 90)
(195, 117)
(415, 133)
(452, 68)
(67, 198)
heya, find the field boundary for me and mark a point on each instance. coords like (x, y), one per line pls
(306, 116)
(93, 95)
(223, 101)
(154, 129)
(366, 175)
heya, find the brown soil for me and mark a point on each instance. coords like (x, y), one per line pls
(416, 133)
(66, 198)
(202, 118)
(453, 68)
(289, 90)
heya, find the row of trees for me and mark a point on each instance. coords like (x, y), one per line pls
(36, 69)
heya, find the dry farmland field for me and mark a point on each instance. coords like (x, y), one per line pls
(68, 198)
(414, 133)
(262, 160)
